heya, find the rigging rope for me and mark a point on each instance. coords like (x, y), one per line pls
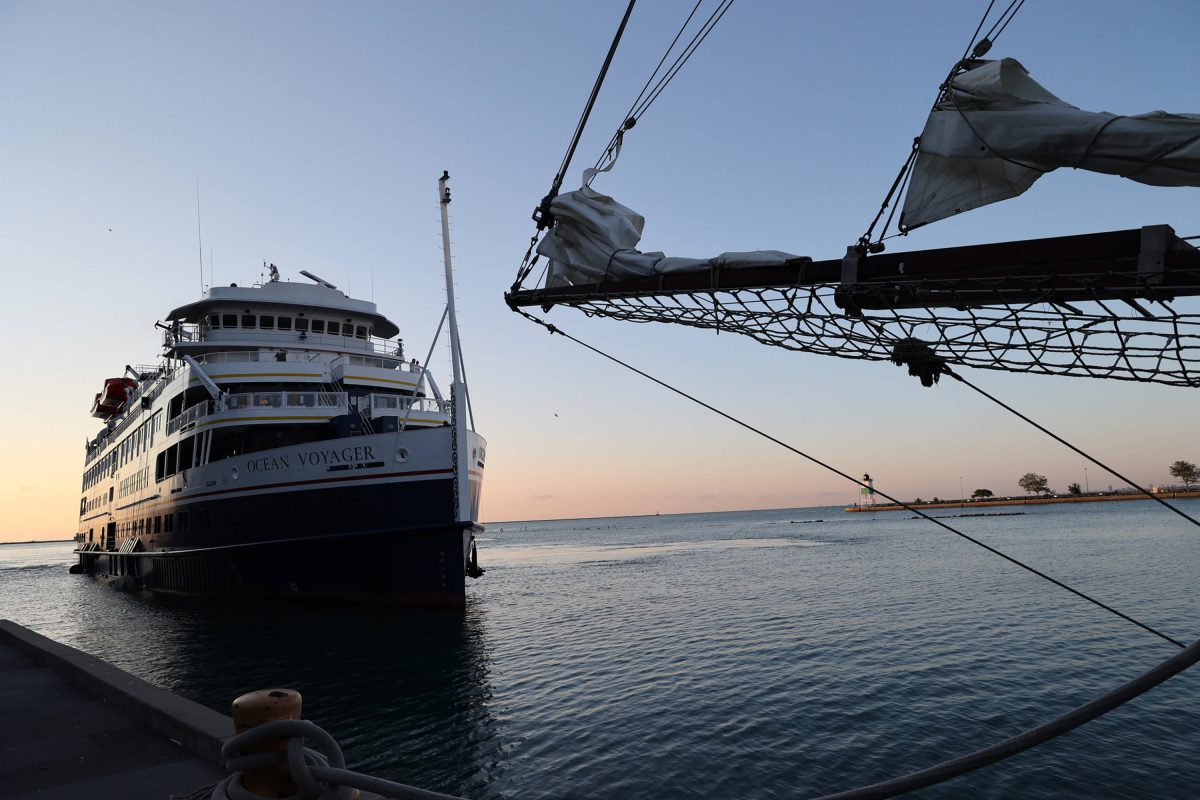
(541, 214)
(642, 102)
(554, 329)
(591, 102)
(924, 363)
(976, 48)
(1057, 438)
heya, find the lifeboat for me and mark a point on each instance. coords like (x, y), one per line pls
(112, 398)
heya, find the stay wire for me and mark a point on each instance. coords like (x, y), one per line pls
(629, 114)
(975, 36)
(591, 102)
(643, 102)
(684, 57)
(1009, 13)
(543, 210)
(553, 329)
(900, 184)
(946, 370)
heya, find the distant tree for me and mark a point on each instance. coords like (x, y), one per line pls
(1186, 471)
(1034, 483)
(1074, 489)
(982, 493)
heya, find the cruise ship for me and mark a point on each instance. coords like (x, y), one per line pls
(285, 446)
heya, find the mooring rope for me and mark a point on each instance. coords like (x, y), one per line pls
(1027, 739)
(319, 775)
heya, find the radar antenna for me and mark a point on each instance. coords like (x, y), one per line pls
(317, 279)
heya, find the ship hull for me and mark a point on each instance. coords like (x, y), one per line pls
(421, 566)
(354, 526)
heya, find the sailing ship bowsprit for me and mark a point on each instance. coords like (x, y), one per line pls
(1117, 305)
(284, 446)
(1099, 305)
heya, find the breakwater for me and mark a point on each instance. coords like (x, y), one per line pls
(1026, 501)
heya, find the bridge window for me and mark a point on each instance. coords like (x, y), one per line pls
(214, 320)
(229, 320)
(266, 322)
(284, 323)
(333, 328)
(318, 326)
(248, 321)
(301, 324)
(360, 331)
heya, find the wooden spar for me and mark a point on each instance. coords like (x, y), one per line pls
(1151, 263)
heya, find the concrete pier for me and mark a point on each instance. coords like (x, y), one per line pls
(73, 727)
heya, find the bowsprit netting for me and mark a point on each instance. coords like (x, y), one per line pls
(1116, 305)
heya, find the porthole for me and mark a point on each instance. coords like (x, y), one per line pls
(233, 474)
(402, 454)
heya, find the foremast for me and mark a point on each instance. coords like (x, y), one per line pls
(460, 443)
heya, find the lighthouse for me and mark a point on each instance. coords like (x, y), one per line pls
(866, 491)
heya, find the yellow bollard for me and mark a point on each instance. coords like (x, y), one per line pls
(254, 709)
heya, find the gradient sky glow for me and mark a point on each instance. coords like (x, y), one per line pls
(317, 133)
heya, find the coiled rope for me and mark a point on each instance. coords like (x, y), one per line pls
(319, 775)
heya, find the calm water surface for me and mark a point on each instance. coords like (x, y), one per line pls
(743, 655)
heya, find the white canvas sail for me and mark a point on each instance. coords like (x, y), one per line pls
(594, 239)
(998, 130)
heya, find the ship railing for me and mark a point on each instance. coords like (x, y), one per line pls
(260, 401)
(384, 405)
(188, 418)
(290, 399)
(192, 334)
(382, 362)
(255, 356)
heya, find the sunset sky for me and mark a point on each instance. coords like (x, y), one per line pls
(316, 133)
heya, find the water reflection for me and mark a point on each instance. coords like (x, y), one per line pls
(581, 554)
(405, 692)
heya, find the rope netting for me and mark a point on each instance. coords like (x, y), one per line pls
(973, 322)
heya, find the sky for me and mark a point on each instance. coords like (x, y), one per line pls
(316, 133)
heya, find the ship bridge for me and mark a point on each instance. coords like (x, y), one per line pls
(277, 314)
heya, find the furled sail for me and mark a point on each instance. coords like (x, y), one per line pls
(996, 131)
(594, 239)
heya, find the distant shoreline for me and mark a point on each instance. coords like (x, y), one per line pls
(40, 541)
(1027, 501)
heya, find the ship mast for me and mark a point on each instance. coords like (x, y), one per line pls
(458, 389)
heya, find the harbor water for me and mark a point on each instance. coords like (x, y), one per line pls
(763, 654)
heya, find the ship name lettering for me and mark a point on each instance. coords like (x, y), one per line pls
(344, 455)
(267, 464)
